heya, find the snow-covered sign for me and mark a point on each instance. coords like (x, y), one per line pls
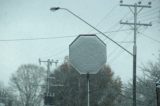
(87, 54)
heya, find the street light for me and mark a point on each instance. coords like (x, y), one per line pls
(134, 62)
(58, 8)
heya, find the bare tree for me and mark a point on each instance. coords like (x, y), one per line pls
(104, 87)
(146, 86)
(26, 81)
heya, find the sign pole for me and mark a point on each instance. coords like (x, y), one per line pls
(82, 56)
(88, 82)
(158, 92)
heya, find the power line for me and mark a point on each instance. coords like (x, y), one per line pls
(119, 30)
(149, 37)
(106, 16)
(49, 38)
(65, 49)
(29, 39)
(150, 18)
(147, 17)
(119, 52)
(134, 9)
(150, 12)
(60, 52)
(113, 51)
(125, 15)
(114, 25)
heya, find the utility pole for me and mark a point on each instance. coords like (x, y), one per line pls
(49, 63)
(48, 95)
(56, 63)
(134, 9)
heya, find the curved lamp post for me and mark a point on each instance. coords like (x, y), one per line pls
(58, 8)
(132, 54)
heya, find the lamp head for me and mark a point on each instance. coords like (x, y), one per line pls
(139, 2)
(121, 1)
(149, 3)
(54, 8)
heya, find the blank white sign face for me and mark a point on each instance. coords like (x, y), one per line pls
(87, 54)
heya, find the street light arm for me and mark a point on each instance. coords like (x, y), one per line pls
(57, 8)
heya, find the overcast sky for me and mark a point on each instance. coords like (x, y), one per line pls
(30, 19)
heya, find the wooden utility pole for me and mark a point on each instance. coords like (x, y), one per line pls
(135, 11)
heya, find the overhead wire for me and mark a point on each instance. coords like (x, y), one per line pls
(118, 56)
(114, 25)
(124, 16)
(104, 32)
(29, 39)
(130, 18)
(120, 51)
(158, 41)
(113, 51)
(56, 51)
(149, 17)
(100, 21)
(45, 38)
(62, 51)
(106, 16)
(108, 55)
(56, 37)
(59, 52)
(156, 22)
(151, 20)
(140, 33)
(149, 12)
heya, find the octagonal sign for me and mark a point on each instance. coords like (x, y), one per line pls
(87, 54)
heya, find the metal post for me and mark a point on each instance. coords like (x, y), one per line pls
(157, 92)
(48, 73)
(134, 55)
(157, 95)
(88, 82)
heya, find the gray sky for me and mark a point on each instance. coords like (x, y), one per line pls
(27, 19)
